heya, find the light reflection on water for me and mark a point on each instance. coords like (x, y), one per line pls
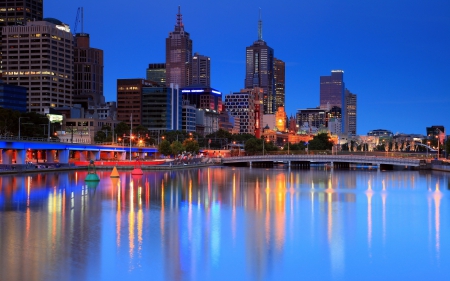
(226, 223)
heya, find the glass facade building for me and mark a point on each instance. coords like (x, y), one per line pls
(13, 97)
(162, 109)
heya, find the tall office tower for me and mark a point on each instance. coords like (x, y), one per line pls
(39, 56)
(279, 74)
(88, 72)
(178, 55)
(156, 72)
(332, 90)
(201, 70)
(349, 113)
(260, 70)
(162, 109)
(19, 12)
(129, 99)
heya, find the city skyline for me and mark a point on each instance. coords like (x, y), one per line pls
(394, 55)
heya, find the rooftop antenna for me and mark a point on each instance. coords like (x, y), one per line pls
(82, 20)
(260, 27)
(179, 17)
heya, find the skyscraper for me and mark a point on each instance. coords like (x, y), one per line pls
(332, 90)
(201, 69)
(45, 63)
(349, 124)
(260, 70)
(178, 55)
(88, 71)
(279, 74)
(19, 12)
(156, 72)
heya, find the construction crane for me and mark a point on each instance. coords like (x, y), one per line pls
(78, 19)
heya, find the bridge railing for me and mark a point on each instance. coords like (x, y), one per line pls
(325, 158)
(34, 139)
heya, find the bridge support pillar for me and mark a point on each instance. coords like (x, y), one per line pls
(63, 156)
(50, 154)
(7, 156)
(250, 164)
(21, 156)
(289, 164)
(95, 155)
(332, 165)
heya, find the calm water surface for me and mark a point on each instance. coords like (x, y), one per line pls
(226, 224)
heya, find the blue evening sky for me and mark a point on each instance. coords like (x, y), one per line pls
(395, 53)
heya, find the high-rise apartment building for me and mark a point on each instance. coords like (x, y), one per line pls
(129, 99)
(279, 74)
(19, 12)
(349, 112)
(201, 70)
(156, 72)
(260, 70)
(39, 56)
(332, 90)
(88, 72)
(178, 55)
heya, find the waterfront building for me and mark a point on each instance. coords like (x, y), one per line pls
(350, 114)
(269, 121)
(241, 105)
(332, 90)
(188, 117)
(201, 70)
(293, 127)
(203, 97)
(280, 88)
(88, 72)
(208, 120)
(314, 118)
(226, 121)
(13, 97)
(281, 119)
(156, 72)
(259, 71)
(334, 126)
(436, 131)
(178, 55)
(162, 109)
(39, 57)
(129, 99)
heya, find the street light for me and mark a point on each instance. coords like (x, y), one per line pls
(19, 124)
(428, 148)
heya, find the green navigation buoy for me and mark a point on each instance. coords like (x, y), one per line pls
(92, 175)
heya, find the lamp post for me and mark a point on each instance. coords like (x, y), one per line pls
(428, 148)
(19, 124)
(131, 131)
(263, 144)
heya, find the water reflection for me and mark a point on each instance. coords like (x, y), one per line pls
(197, 224)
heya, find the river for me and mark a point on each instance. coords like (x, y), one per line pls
(224, 223)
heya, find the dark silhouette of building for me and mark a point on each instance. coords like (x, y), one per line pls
(201, 70)
(178, 55)
(156, 72)
(332, 90)
(260, 70)
(88, 72)
(279, 74)
(350, 114)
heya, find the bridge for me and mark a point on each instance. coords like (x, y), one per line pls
(19, 151)
(305, 160)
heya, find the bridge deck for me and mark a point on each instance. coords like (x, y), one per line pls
(374, 160)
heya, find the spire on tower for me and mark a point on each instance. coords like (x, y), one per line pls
(260, 27)
(179, 17)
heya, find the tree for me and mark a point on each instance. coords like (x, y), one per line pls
(252, 146)
(164, 148)
(122, 129)
(177, 147)
(321, 142)
(191, 145)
